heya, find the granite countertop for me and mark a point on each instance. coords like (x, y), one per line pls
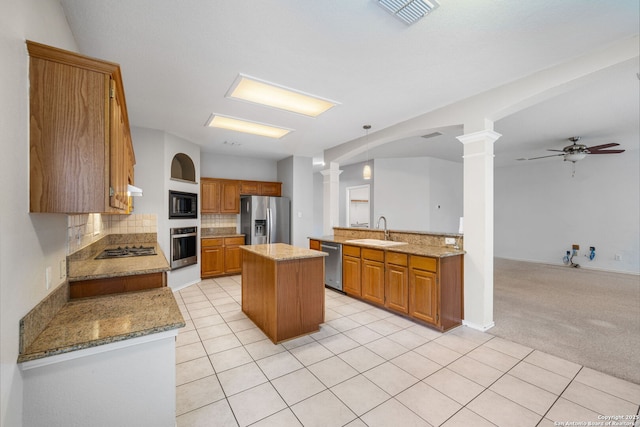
(103, 320)
(282, 251)
(219, 232)
(91, 268)
(411, 249)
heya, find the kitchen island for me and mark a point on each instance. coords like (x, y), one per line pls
(283, 289)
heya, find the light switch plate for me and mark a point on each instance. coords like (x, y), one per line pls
(449, 241)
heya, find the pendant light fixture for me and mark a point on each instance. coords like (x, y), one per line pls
(366, 172)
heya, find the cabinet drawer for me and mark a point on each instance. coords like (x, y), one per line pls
(373, 254)
(233, 241)
(424, 263)
(211, 242)
(351, 250)
(314, 244)
(397, 259)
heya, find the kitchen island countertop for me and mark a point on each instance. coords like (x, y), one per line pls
(282, 251)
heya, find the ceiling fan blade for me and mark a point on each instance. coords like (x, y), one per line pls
(606, 152)
(600, 147)
(550, 149)
(542, 157)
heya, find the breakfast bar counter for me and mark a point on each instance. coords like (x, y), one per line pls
(283, 289)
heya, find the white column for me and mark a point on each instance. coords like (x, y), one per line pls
(478, 228)
(330, 198)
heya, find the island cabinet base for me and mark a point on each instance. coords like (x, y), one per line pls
(284, 298)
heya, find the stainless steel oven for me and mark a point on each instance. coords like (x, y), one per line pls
(184, 250)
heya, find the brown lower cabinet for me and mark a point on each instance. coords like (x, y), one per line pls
(220, 256)
(423, 288)
(114, 285)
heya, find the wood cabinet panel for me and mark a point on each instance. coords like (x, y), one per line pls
(397, 288)
(314, 244)
(423, 296)
(271, 189)
(351, 275)
(230, 197)
(79, 130)
(219, 196)
(373, 281)
(209, 196)
(212, 261)
(220, 256)
(251, 188)
(349, 250)
(112, 285)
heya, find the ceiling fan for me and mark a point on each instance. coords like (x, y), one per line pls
(575, 151)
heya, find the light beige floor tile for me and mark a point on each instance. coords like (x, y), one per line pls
(203, 322)
(214, 331)
(540, 377)
(346, 309)
(265, 348)
(360, 394)
(507, 347)
(475, 371)
(407, 339)
(546, 422)
(598, 401)
(193, 370)
(186, 338)
(225, 308)
(202, 312)
(403, 322)
(279, 364)
(471, 334)
(364, 317)
(232, 315)
(390, 378)
(386, 348)
(330, 315)
(502, 411)
(384, 327)
(241, 325)
(356, 423)
(565, 410)
(553, 364)
(218, 344)
(425, 332)
(197, 394)
(250, 335)
(192, 306)
(456, 343)
(393, 413)
(189, 352)
(325, 331)
(382, 314)
(454, 386)
(428, 403)
(524, 394)
(202, 417)
(255, 404)
(493, 358)
(298, 342)
(416, 364)
(222, 300)
(241, 378)
(343, 324)
(193, 297)
(188, 326)
(361, 359)
(323, 410)
(311, 353)
(612, 385)
(297, 386)
(438, 353)
(229, 359)
(362, 334)
(284, 418)
(338, 343)
(332, 371)
(467, 418)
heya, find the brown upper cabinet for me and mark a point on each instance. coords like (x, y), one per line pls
(261, 188)
(220, 196)
(81, 155)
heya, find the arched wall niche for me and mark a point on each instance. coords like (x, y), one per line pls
(182, 168)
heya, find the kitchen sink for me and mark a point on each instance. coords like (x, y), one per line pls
(376, 242)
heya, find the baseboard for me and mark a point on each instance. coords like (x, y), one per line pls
(582, 266)
(478, 327)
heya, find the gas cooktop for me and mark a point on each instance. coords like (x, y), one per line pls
(127, 251)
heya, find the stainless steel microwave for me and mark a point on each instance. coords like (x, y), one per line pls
(182, 205)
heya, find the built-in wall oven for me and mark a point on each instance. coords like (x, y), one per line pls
(183, 246)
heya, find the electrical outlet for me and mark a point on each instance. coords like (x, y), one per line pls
(449, 241)
(576, 247)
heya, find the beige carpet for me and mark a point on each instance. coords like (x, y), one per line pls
(588, 317)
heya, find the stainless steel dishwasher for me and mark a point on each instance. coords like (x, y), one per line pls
(332, 265)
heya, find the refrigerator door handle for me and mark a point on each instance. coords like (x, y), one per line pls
(269, 225)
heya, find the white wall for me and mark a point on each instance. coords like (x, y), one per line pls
(296, 175)
(233, 167)
(28, 242)
(540, 211)
(352, 176)
(418, 194)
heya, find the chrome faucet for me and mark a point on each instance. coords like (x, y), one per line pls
(386, 232)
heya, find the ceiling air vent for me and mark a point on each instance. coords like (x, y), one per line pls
(409, 11)
(431, 135)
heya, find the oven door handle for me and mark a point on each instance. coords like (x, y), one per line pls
(175, 236)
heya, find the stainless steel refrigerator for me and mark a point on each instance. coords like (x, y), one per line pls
(265, 219)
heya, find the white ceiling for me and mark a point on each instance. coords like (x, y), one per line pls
(178, 60)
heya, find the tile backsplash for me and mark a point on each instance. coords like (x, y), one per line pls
(85, 229)
(219, 220)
